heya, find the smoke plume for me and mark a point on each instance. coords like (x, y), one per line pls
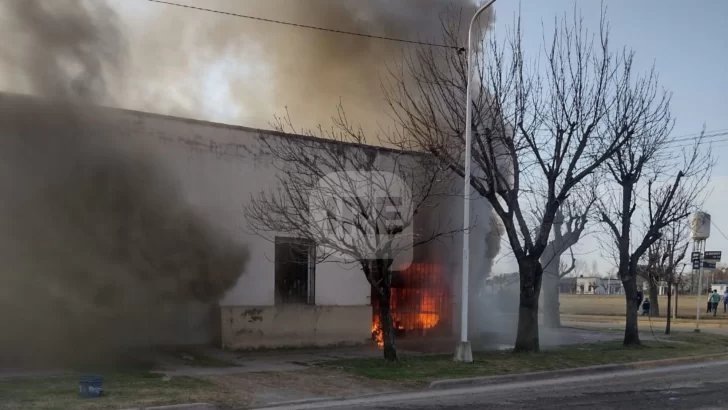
(99, 251)
(217, 67)
(488, 314)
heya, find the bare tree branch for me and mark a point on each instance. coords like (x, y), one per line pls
(540, 130)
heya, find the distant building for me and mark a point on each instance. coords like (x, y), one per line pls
(661, 287)
(719, 285)
(592, 285)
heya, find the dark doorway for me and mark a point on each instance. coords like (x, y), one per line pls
(294, 271)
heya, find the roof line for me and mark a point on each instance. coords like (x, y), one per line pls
(228, 126)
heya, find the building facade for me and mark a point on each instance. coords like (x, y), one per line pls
(598, 286)
(218, 168)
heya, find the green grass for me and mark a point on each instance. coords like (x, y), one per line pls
(429, 368)
(122, 389)
(135, 386)
(705, 340)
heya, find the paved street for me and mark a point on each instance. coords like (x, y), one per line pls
(695, 386)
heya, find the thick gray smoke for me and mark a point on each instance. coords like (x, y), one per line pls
(321, 68)
(223, 68)
(489, 315)
(91, 261)
(99, 250)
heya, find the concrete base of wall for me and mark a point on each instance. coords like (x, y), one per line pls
(249, 327)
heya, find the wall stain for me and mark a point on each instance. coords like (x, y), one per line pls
(253, 315)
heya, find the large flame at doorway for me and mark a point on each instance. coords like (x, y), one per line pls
(420, 303)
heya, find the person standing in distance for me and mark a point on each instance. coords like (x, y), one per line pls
(714, 299)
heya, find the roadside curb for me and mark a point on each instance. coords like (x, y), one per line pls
(190, 406)
(315, 400)
(524, 377)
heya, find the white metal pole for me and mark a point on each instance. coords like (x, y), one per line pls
(699, 245)
(464, 352)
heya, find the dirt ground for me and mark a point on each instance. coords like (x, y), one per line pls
(254, 389)
(614, 305)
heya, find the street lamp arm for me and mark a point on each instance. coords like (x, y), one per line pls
(475, 17)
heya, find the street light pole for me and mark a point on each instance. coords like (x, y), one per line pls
(464, 352)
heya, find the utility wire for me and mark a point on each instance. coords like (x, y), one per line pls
(700, 143)
(703, 136)
(351, 33)
(694, 136)
(704, 142)
(679, 138)
(721, 232)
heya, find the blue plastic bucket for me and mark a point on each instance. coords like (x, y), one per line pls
(90, 386)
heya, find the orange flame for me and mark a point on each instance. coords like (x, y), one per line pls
(377, 333)
(426, 316)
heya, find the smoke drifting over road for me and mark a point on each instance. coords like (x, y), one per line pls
(99, 250)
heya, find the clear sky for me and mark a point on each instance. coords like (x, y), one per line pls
(687, 42)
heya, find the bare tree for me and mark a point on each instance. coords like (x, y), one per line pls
(563, 239)
(358, 203)
(653, 274)
(676, 240)
(662, 258)
(647, 177)
(539, 130)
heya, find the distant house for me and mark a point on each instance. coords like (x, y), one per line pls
(661, 287)
(592, 285)
(497, 283)
(719, 285)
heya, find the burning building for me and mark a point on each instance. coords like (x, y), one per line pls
(421, 303)
(279, 300)
(263, 296)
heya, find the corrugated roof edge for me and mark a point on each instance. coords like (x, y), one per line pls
(229, 126)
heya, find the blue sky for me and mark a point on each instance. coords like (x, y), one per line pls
(687, 42)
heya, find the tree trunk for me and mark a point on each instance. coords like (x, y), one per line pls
(654, 297)
(677, 292)
(385, 317)
(669, 306)
(551, 303)
(531, 274)
(631, 330)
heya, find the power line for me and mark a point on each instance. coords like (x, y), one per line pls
(351, 33)
(700, 143)
(706, 137)
(696, 135)
(674, 140)
(721, 232)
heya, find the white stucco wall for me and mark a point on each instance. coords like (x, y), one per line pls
(219, 167)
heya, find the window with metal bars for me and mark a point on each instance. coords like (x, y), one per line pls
(295, 270)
